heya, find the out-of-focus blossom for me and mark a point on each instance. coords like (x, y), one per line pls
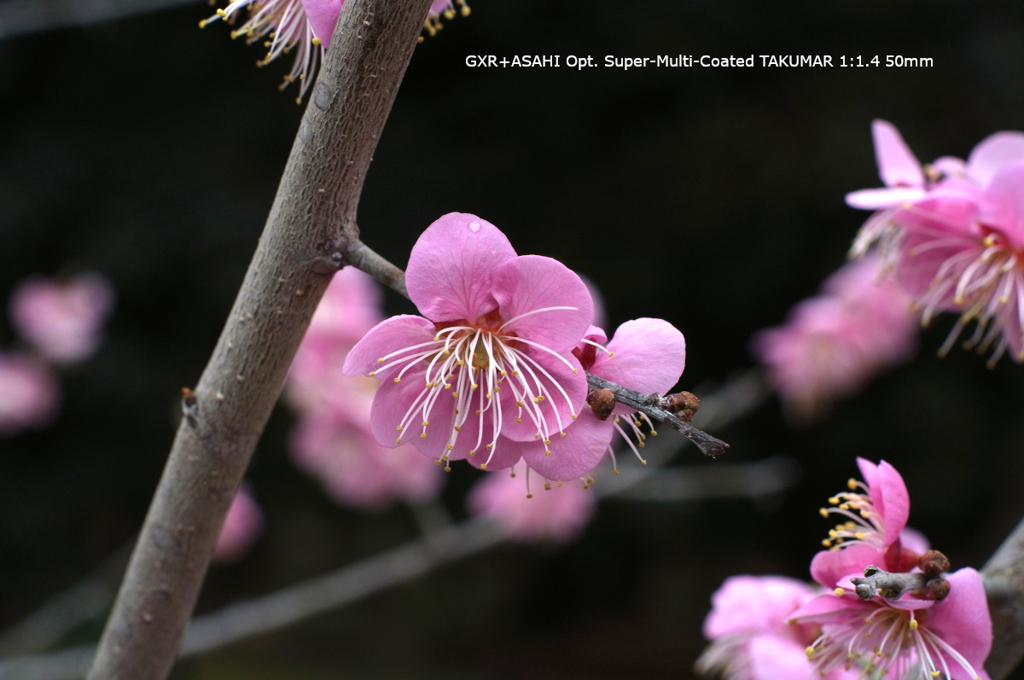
(491, 362)
(350, 307)
(963, 252)
(242, 526)
(332, 439)
(334, 444)
(305, 27)
(646, 355)
(29, 394)
(953, 234)
(833, 344)
(749, 632)
(63, 319)
(558, 513)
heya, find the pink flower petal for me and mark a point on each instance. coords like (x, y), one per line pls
(650, 355)
(575, 454)
(829, 567)
(777, 658)
(897, 165)
(323, 17)
(962, 620)
(1002, 203)
(391, 335)
(823, 607)
(993, 153)
(557, 514)
(242, 526)
(526, 285)
(888, 495)
(754, 603)
(452, 265)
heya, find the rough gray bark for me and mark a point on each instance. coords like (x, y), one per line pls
(310, 227)
(1004, 584)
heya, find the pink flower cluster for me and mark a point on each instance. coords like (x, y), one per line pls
(917, 633)
(242, 525)
(62, 322)
(953, 234)
(495, 369)
(333, 440)
(833, 344)
(557, 514)
(305, 27)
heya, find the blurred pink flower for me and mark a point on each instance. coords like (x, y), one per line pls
(63, 319)
(832, 345)
(749, 632)
(334, 444)
(963, 252)
(491, 363)
(904, 639)
(242, 526)
(350, 307)
(556, 514)
(29, 394)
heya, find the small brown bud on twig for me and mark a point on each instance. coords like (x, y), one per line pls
(683, 404)
(602, 402)
(933, 563)
(936, 589)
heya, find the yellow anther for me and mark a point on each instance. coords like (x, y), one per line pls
(547, 442)
(913, 624)
(654, 433)
(478, 411)
(488, 447)
(824, 512)
(809, 652)
(450, 447)
(528, 496)
(399, 428)
(438, 462)
(860, 535)
(547, 452)
(643, 462)
(222, 14)
(316, 41)
(615, 470)
(460, 362)
(503, 374)
(474, 386)
(839, 591)
(372, 373)
(611, 354)
(519, 420)
(423, 436)
(398, 380)
(536, 400)
(851, 484)
(574, 371)
(381, 360)
(834, 500)
(488, 395)
(483, 466)
(458, 429)
(455, 395)
(561, 434)
(398, 441)
(547, 486)
(518, 402)
(447, 468)
(425, 423)
(447, 386)
(574, 416)
(473, 452)
(827, 543)
(865, 514)
(537, 436)
(844, 506)
(832, 533)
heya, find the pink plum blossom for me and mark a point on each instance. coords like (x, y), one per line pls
(334, 444)
(62, 319)
(833, 344)
(963, 252)
(242, 525)
(646, 355)
(350, 307)
(29, 394)
(952, 233)
(490, 363)
(873, 530)
(749, 632)
(904, 639)
(332, 439)
(556, 514)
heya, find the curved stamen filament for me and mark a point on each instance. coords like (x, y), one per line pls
(536, 311)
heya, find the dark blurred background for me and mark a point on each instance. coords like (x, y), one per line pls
(150, 151)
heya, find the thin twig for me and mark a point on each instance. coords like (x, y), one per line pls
(362, 257)
(313, 215)
(651, 404)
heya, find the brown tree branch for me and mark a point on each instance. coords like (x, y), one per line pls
(1004, 584)
(313, 216)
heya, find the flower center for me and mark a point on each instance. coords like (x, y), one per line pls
(474, 362)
